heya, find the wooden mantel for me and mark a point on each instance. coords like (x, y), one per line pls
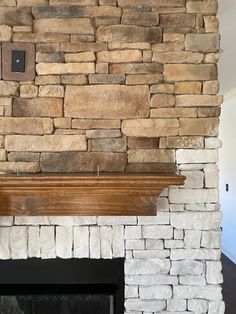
(83, 194)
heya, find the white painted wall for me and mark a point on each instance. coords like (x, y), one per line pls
(228, 175)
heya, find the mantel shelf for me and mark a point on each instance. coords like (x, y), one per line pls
(83, 194)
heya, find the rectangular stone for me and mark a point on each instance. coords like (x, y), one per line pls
(198, 100)
(177, 20)
(5, 252)
(157, 232)
(78, 2)
(150, 127)
(26, 125)
(173, 113)
(190, 72)
(137, 68)
(64, 242)
(193, 196)
(79, 47)
(65, 68)
(108, 145)
(89, 101)
(118, 245)
(81, 26)
(202, 7)
(102, 133)
(210, 292)
(81, 242)
(106, 242)
(199, 126)
(33, 242)
(94, 243)
(19, 242)
(83, 162)
(129, 33)
(56, 91)
(188, 88)
(143, 142)
(20, 167)
(202, 42)
(106, 79)
(95, 124)
(37, 107)
(12, 16)
(46, 143)
(178, 56)
(122, 56)
(80, 57)
(116, 221)
(150, 155)
(47, 242)
(147, 267)
(155, 292)
(8, 89)
(137, 79)
(140, 18)
(40, 37)
(196, 142)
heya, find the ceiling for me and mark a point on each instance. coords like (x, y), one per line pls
(227, 65)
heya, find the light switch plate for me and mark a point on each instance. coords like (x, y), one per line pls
(18, 61)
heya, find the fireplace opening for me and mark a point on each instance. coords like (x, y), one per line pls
(73, 286)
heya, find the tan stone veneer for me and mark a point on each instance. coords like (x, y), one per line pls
(129, 85)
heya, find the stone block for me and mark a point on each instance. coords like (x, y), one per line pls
(198, 101)
(74, 79)
(151, 254)
(178, 57)
(106, 145)
(5, 252)
(162, 100)
(129, 33)
(19, 242)
(47, 242)
(140, 18)
(81, 26)
(137, 68)
(62, 123)
(214, 272)
(157, 232)
(81, 242)
(47, 80)
(193, 196)
(160, 219)
(132, 232)
(177, 20)
(187, 267)
(211, 239)
(188, 88)
(20, 167)
(8, 88)
(147, 267)
(192, 280)
(42, 57)
(80, 47)
(106, 242)
(37, 107)
(41, 37)
(5, 33)
(211, 87)
(195, 254)
(150, 155)
(144, 305)
(196, 156)
(174, 244)
(199, 126)
(65, 68)
(55, 91)
(64, 242)
(28, 91)
(33, 242)
(131, 291)
(209, 292)
(94, 242)
(106, 79)
(116, 221)
(134, 245)
(116, 45)
(150, 127)
(202, 42)
(118, 245)
(6, 221)
(13, 16)
(125, 101)
(83, 162)
(173, 113)
(155, 292)
(198, 306)
(196, 142)
(192, 239)
(138, 79)
(87, 56)
(123, 56)
(205, 7)
(9, 125)
(211, 176)
(190, 72)
(194, 179)
(23, 157)
(216, 307)
(176, 305)
(95, 124)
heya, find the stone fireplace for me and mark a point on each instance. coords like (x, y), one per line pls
(118, 86)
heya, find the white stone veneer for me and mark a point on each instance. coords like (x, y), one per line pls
(172, 261)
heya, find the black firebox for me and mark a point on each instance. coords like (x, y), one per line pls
(56, 286)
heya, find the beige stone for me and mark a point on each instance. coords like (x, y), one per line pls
(177, 20)
(137, 68)
(190, 72)
(168, 47)
(202, 7)
(47, 143)
(23, 157)
(56, 91)
(129, 33)
(37, 107)
(40, 37)
(72, 47)
(74, 79)
(95, 124)
(62, 123)
(122, 56)
(83, 162)
(47, 80)
(65, 26)
(212, 57)
(202, 42)
(162, 100)
(162, 89)
(178, 56)
(126, 45)
(3, 154)
(102, 68)
(24, 167)
(173, 37)
(28, 91)
(80, 57)
(26, 126)
(211, 87)
(13, 16)
(198, 101)
(211, 24)
(140, 18)
(151, 3)
(8, 3)
(188, 88)
(22, 29)
(106, 145)
(66, 68)
(119, 101)
(152, 167)
(209, 112)
(77, 2)
(150, 127)
(200, 126)
(102, 133)
(185, 142)
(25, 3)
(138, 79)
(82, 38)
(143, 142)
(106, 79)
(42, 57)
(151, 155)
(173, 113)
(5, 33)
(8, 88)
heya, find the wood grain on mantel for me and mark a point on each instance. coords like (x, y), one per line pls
(83, 194)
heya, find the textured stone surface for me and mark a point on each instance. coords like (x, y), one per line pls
(15, 16)
(46, 143)
(66, 68)
(126, 102)
(202, 42)
(183, 72)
